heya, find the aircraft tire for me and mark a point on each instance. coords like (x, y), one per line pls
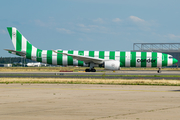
(159, 71)
(93, 70)
(87, 70)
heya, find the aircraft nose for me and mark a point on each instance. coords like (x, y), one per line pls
(175, 60)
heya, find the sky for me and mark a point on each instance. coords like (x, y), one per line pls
(90, 24)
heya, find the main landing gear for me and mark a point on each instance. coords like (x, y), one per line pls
(159, 71)
(91, 69)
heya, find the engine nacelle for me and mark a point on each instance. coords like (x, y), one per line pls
(112, 65)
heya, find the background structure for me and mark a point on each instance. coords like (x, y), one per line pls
(168, 48)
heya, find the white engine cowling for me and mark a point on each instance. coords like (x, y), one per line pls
(112, 65)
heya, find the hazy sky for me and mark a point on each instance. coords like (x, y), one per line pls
(90, 24)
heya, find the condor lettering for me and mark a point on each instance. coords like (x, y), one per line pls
(144, 60)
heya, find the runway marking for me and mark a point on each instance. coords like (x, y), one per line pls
(87, 89)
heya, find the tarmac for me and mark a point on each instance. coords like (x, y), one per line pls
(95, 75)
(88, 102)
(121, 72)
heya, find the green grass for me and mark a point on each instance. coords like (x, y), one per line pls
(103, 75)
(90, 81)
(79, 82)
(75, 69)
(130, 75)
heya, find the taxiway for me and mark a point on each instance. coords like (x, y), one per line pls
(97, 75)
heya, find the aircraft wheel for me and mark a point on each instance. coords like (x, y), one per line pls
(93, 70)
(87, 70)
(159, 71)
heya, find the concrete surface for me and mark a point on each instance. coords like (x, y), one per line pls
(88, 102)
(121, 72)
(95, 75)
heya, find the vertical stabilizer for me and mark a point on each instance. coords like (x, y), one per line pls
(19, 41)
(22, 44)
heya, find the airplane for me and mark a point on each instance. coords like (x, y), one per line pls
(110, 60)
(38, 64)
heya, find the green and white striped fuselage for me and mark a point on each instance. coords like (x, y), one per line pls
(126, 59)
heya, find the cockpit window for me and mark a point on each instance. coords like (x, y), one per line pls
(170, 57)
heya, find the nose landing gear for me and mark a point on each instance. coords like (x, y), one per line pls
(159, 71)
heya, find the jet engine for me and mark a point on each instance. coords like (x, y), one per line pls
(112, 65)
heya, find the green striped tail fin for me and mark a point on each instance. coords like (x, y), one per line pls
(20, 42)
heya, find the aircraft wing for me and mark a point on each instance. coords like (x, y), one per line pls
(86, 59)
(18, 52)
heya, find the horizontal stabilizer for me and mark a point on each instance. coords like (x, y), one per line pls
(14, 52)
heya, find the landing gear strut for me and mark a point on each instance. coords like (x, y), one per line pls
(91, 68)
(159, 71)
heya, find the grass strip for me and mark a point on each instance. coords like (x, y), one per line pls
(131, 75)
(56, 69)
(90, 81)
(44, 75)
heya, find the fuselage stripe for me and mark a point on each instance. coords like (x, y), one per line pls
(154, 58)
(133, 59)
(106, 55)
(33, 54)
(159, 60)
(65, 58)
(80, 63)
(44, 56)
(101, 54)
(127, 59)
(59, 57)
(122, 58)
(112, 55)
(39, 55)
(49, 56)
(70, 59)
(143, 59)
(149, 59)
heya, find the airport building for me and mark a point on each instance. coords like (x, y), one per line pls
(168, 48)
(5, 65)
